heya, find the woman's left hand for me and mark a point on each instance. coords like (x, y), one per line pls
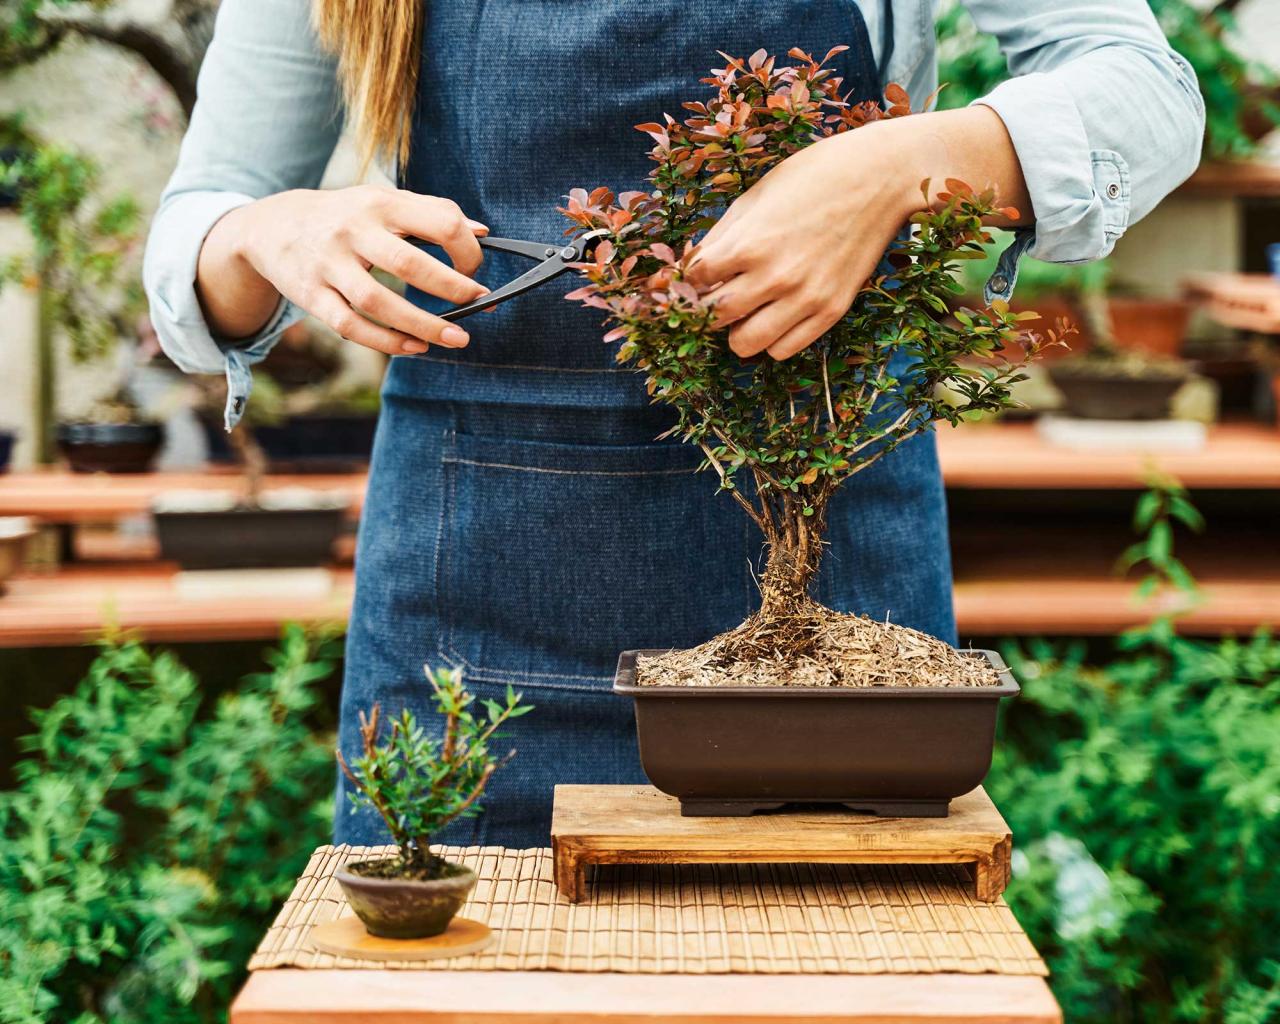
(788, 257)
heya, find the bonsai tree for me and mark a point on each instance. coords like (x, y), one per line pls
(78, 266)
(782, 436)
(418, 784)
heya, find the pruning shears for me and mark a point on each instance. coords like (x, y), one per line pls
(553, 260)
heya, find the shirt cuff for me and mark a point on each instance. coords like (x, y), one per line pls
(1079, 195)
(169, 273)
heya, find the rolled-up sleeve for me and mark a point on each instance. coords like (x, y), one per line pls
(267, 118)
(1105, 117)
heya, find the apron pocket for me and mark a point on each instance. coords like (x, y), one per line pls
(555, 557)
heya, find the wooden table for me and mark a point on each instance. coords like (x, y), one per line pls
(78, 602)
(287, 996)
(1012, 456)
(60, 496)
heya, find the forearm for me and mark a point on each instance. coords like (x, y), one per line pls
(236, 300)
(972, 145)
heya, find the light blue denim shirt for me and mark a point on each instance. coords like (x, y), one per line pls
(1105, 117)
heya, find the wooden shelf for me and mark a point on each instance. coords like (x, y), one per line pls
(1247, 302)
(59, 496)
(1011, 456)
(81, 600)
(1250, 179)
(1035, 604)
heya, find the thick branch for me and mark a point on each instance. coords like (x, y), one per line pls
(173, 63)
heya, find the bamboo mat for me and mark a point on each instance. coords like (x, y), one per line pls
(691, 919)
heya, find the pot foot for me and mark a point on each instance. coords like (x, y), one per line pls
(724, 808)
(901, 808)
(879, 808)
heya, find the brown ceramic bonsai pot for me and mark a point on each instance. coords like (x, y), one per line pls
(110, 447)
(893, 751)
(405, 908)
(1156, 327)
(15, 532)
(1096, 393)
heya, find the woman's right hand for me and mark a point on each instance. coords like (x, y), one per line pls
(317, 247)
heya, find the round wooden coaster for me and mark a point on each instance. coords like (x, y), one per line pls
(346, 936)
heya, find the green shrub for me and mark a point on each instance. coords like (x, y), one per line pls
(1144, 798)
(148, 842)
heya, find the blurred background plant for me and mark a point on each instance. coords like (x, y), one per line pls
(1242, 97)
(1145, 796)
(149, 839)
(79, 264)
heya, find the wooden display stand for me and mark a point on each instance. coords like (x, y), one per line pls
(639, 825)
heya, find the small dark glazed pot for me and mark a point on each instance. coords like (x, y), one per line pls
(110, 447)
(405, 908)
(894, 751)
(1098, 395)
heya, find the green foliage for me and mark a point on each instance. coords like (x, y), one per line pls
(801, 426)
(145, 845)
(419, 784)
(81, 244)
(1144, 795)
(1237, 92)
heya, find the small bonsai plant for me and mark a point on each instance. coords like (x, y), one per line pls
(782, 436)
(418, 784)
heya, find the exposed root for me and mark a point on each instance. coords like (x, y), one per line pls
(815, 646)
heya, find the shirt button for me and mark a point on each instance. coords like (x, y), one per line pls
(1113, 190)
(999, 283)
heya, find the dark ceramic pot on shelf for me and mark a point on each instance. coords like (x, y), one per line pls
(314, 443)
(1094, 393)
(893, 751)
(110, 447)
(200, 531)
(405, 908)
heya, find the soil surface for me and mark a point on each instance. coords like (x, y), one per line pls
(852, 650)
(393, 867)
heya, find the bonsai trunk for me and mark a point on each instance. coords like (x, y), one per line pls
(789, 621)
(253, 461)
(795, 551)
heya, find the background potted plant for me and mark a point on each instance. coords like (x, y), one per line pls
(418, 785)
(840, 692)
(1114, 382)
(326, 405)
(254, 527)
(86, 299)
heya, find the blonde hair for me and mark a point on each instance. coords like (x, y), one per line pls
(378, 44)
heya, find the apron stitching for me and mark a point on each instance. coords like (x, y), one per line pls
(569, 472)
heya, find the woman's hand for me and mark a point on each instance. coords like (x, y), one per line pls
(317, 249)
(787, 258)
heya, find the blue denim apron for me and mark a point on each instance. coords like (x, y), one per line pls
(521, 522)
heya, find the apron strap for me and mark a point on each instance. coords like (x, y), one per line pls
(886, 42)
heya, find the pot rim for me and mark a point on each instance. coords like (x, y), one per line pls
(465, 875)
(624, 684)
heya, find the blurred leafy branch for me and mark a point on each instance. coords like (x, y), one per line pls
(148, 839)
(81, 243)
(1242, 97)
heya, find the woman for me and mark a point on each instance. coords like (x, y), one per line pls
(521, 523)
